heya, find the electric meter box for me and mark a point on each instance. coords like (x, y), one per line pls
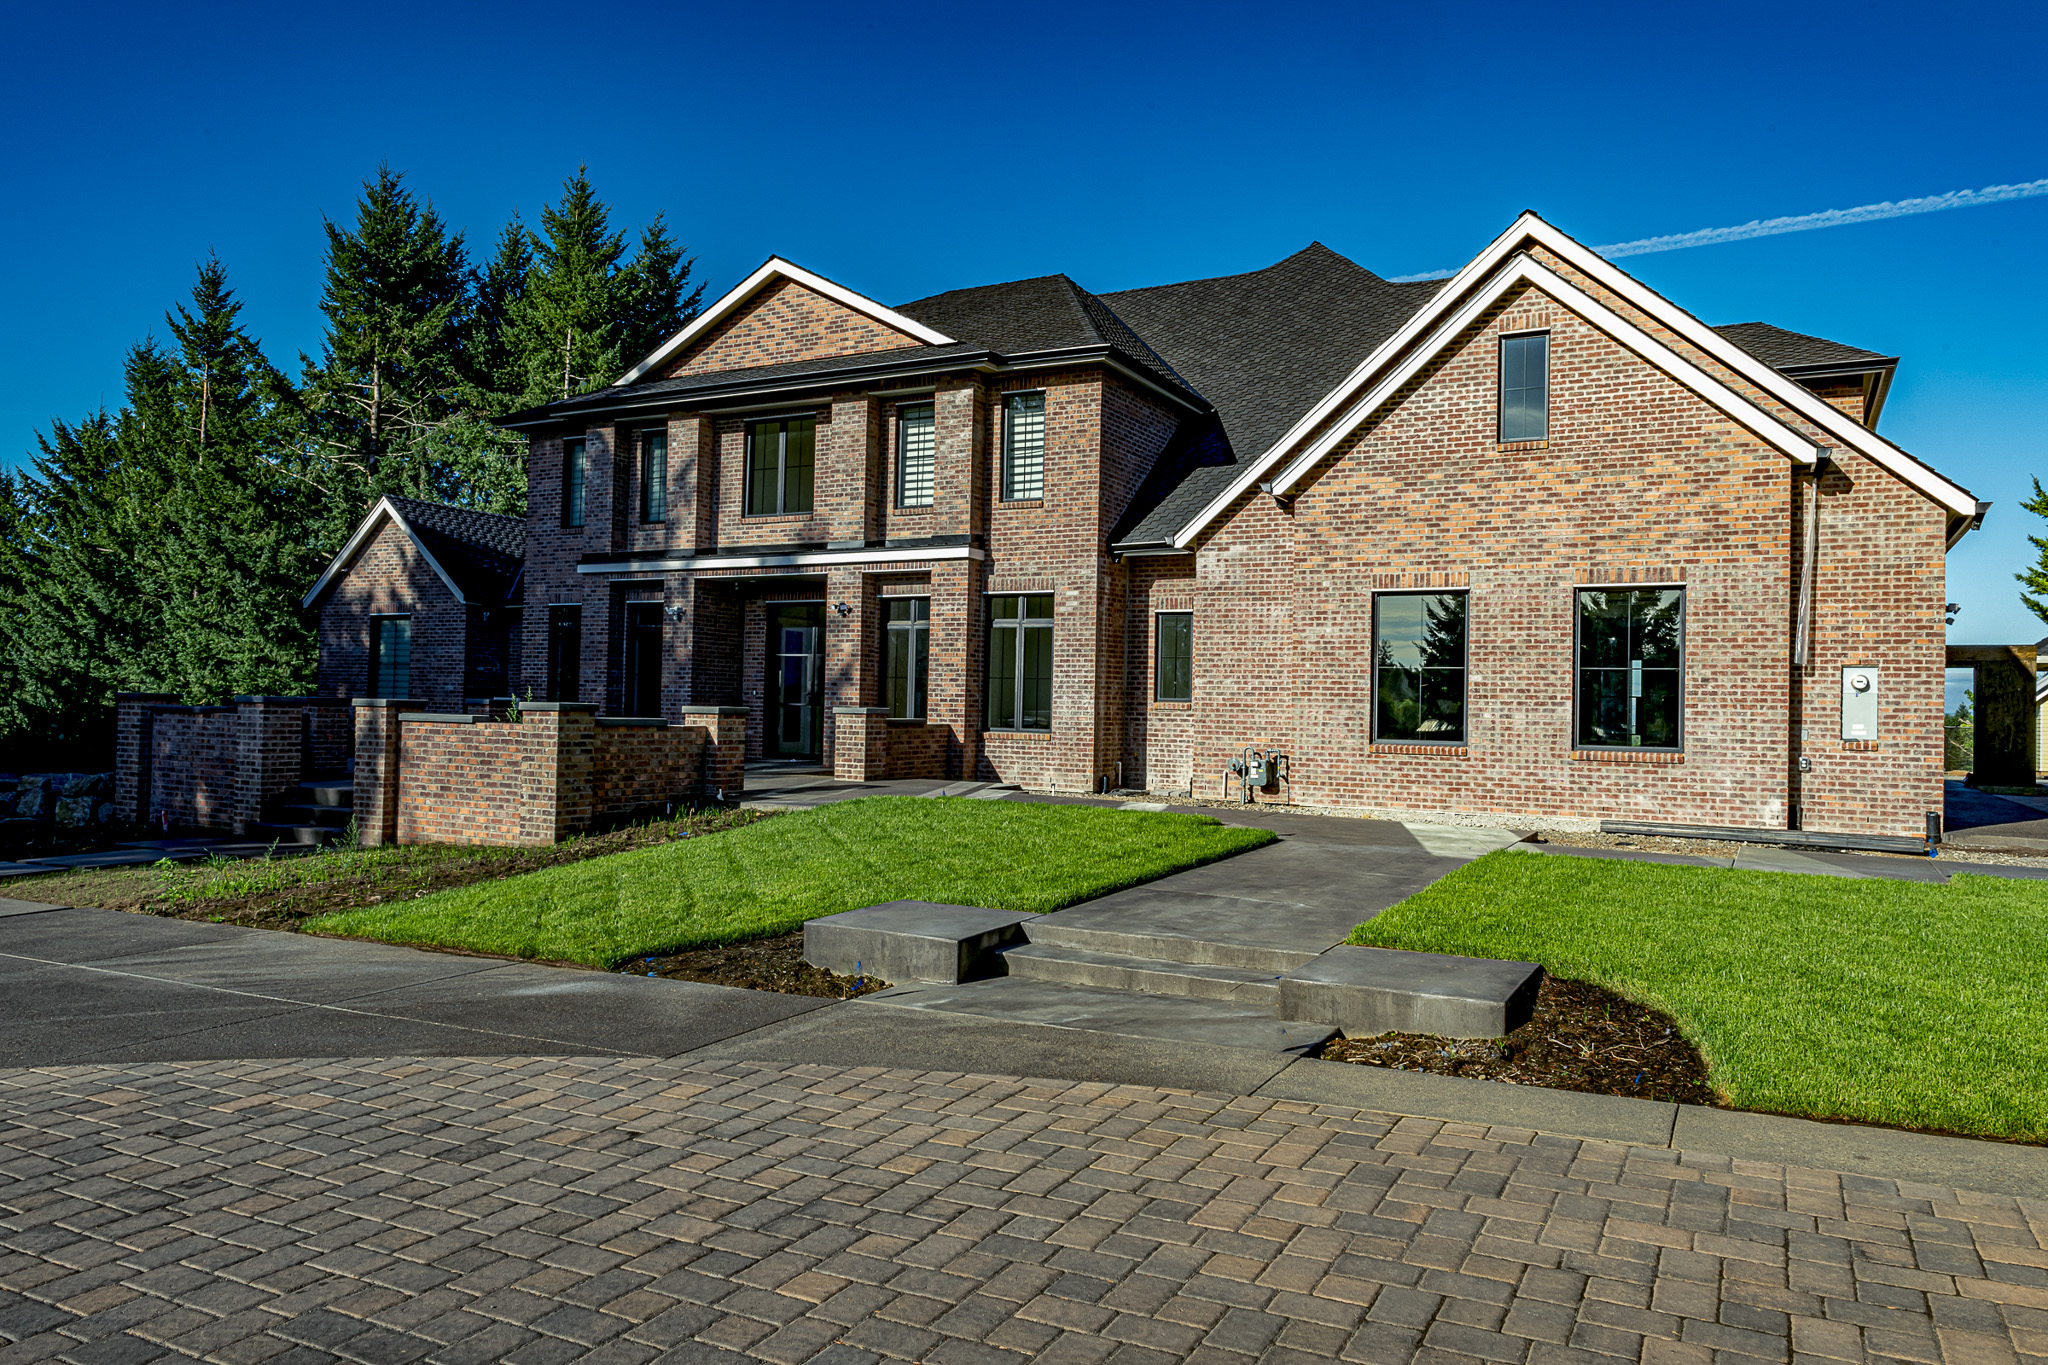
(1859, 703)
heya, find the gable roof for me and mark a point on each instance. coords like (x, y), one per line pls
(1048, 313)
(1792, 352)
(478, 555)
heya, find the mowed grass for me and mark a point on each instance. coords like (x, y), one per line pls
(768, 878)
(1891, 1002)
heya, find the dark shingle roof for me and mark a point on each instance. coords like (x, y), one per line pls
(1783, 350)
(1048, 313)
(481, 551)
(757, 375)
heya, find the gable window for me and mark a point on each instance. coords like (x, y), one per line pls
(1173, 656)
(575, 469)
(1631, 661)
(654, 476)
(1525, 387)
(779, 466)
(1023, 446)
(909, 656)
(1020, 662)
(565, 653)
(916, 452)
(391, 656)
(1418, 654)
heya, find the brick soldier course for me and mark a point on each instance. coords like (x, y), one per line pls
(629, 1210)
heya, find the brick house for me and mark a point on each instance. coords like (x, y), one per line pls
(422, 602)
(1530, 543)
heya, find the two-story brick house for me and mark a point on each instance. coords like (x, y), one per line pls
(1531, 542)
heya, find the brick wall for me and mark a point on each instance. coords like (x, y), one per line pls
(639, 767)
(391, 577)
(220, 767)
(192, 757)
(785, 321)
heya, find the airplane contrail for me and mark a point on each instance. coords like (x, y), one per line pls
(1805, 222)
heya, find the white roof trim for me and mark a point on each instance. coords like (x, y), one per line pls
(1852, 434)
(791, 560)
(777, 268)
(339, 564)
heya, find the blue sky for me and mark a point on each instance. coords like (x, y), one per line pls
(909, 149)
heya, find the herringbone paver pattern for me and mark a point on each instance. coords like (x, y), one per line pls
(543, 1210)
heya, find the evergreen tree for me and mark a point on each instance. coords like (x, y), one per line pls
(655, 296)
(2036, 578)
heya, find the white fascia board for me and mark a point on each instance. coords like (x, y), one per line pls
(339, 564)
(777, 268)
(1522, 270)
(799, 560)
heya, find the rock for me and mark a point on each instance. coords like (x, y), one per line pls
(74, 812)
(103, 813)
(91, 784)
(31, 800)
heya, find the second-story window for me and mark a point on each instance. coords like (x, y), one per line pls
(779, 466)
(916, 452)
(1023, 446)
(1525, 387)
(654, 476)
(575, 470)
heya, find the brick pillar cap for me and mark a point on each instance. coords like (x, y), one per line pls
(714, 710)
(401, 703)
(860, 710)
(589, 706)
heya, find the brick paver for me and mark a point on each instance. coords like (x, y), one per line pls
(542, 1210)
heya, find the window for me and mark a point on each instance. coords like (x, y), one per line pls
(779, 463)
(1525, 387)
(575, 469)
(1023, 446)
(1418, 654)
(643, 658)
(1631, 661)
(1020, 663)
(916, 448)
(1173, 659)
(654, 476)
(909, 656)
(565, 653)
(391, 656)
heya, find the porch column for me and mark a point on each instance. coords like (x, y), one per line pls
(376, 794)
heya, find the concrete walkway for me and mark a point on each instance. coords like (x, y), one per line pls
(1762, 858)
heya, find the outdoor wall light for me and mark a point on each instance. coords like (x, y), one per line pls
(672, 613)
(843, 608)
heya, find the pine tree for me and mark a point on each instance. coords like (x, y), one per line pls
(2036, 578)
(655, 296)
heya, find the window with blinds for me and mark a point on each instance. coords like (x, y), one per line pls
(390, 656)
(575, 469)
(1023, 446)
(916, 454)
(654, 476)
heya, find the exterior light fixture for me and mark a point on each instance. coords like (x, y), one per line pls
(843, 608)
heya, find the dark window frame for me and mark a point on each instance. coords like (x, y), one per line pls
(575, 481)
(917, 631)
(1464, 670)
(1022, 626)
(1159, 679)
(635, 616)
(653, 489)
(1009, 473)
(1578, 628)
(903, 455)
(1502, 389)
(564, 618)
(377, 624)
(782, 498)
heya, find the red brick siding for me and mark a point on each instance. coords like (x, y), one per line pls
(464, 784)
(192, 755)
(391, 576)
(785, 321)
(1158, 736)
(638, 766)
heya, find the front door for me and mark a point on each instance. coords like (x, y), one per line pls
(643, 658)
(796, 634)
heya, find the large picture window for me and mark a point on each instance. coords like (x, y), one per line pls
(780, 460)
(916, 454)
(1631, 648)
(1023, 446)
(654, 476)
(1020, 662)
(1418, 654)
(565, 653)
(391, 656)
(1525, 387)
(575, 472)
(908, 656)
(1173, 656)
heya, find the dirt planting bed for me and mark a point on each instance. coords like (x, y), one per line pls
(762, 964)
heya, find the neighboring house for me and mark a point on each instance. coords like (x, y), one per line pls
(1528, 543)
(423, 602)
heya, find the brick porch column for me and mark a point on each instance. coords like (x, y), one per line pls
(863, 752)
(376, 794)
(132, 725)
(556, 797)
(725, 757)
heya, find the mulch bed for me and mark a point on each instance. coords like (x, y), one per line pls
(1581, 1037)
(762, 964)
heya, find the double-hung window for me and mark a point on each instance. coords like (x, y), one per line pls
(908, 657)
(1418, 664)
(916, 454)
(1020, 662)
(390, 656)
(565, 652)
(1173, 656)
(1023, 446)
(1525, 387)
(780, 460)
(575, 472)
(654, 476)
(1631, 664)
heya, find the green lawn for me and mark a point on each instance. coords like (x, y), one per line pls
(770, 877)
(1894, 1002)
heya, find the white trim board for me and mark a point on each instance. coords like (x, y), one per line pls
(797, 560)
(371, 520)
(773, 269)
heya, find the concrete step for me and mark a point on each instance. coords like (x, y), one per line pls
(1147, 975)
(1058, 931)
(328, 791)
(271, 832)
(1179, 1019)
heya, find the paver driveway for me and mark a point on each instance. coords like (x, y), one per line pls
(627, 1209)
